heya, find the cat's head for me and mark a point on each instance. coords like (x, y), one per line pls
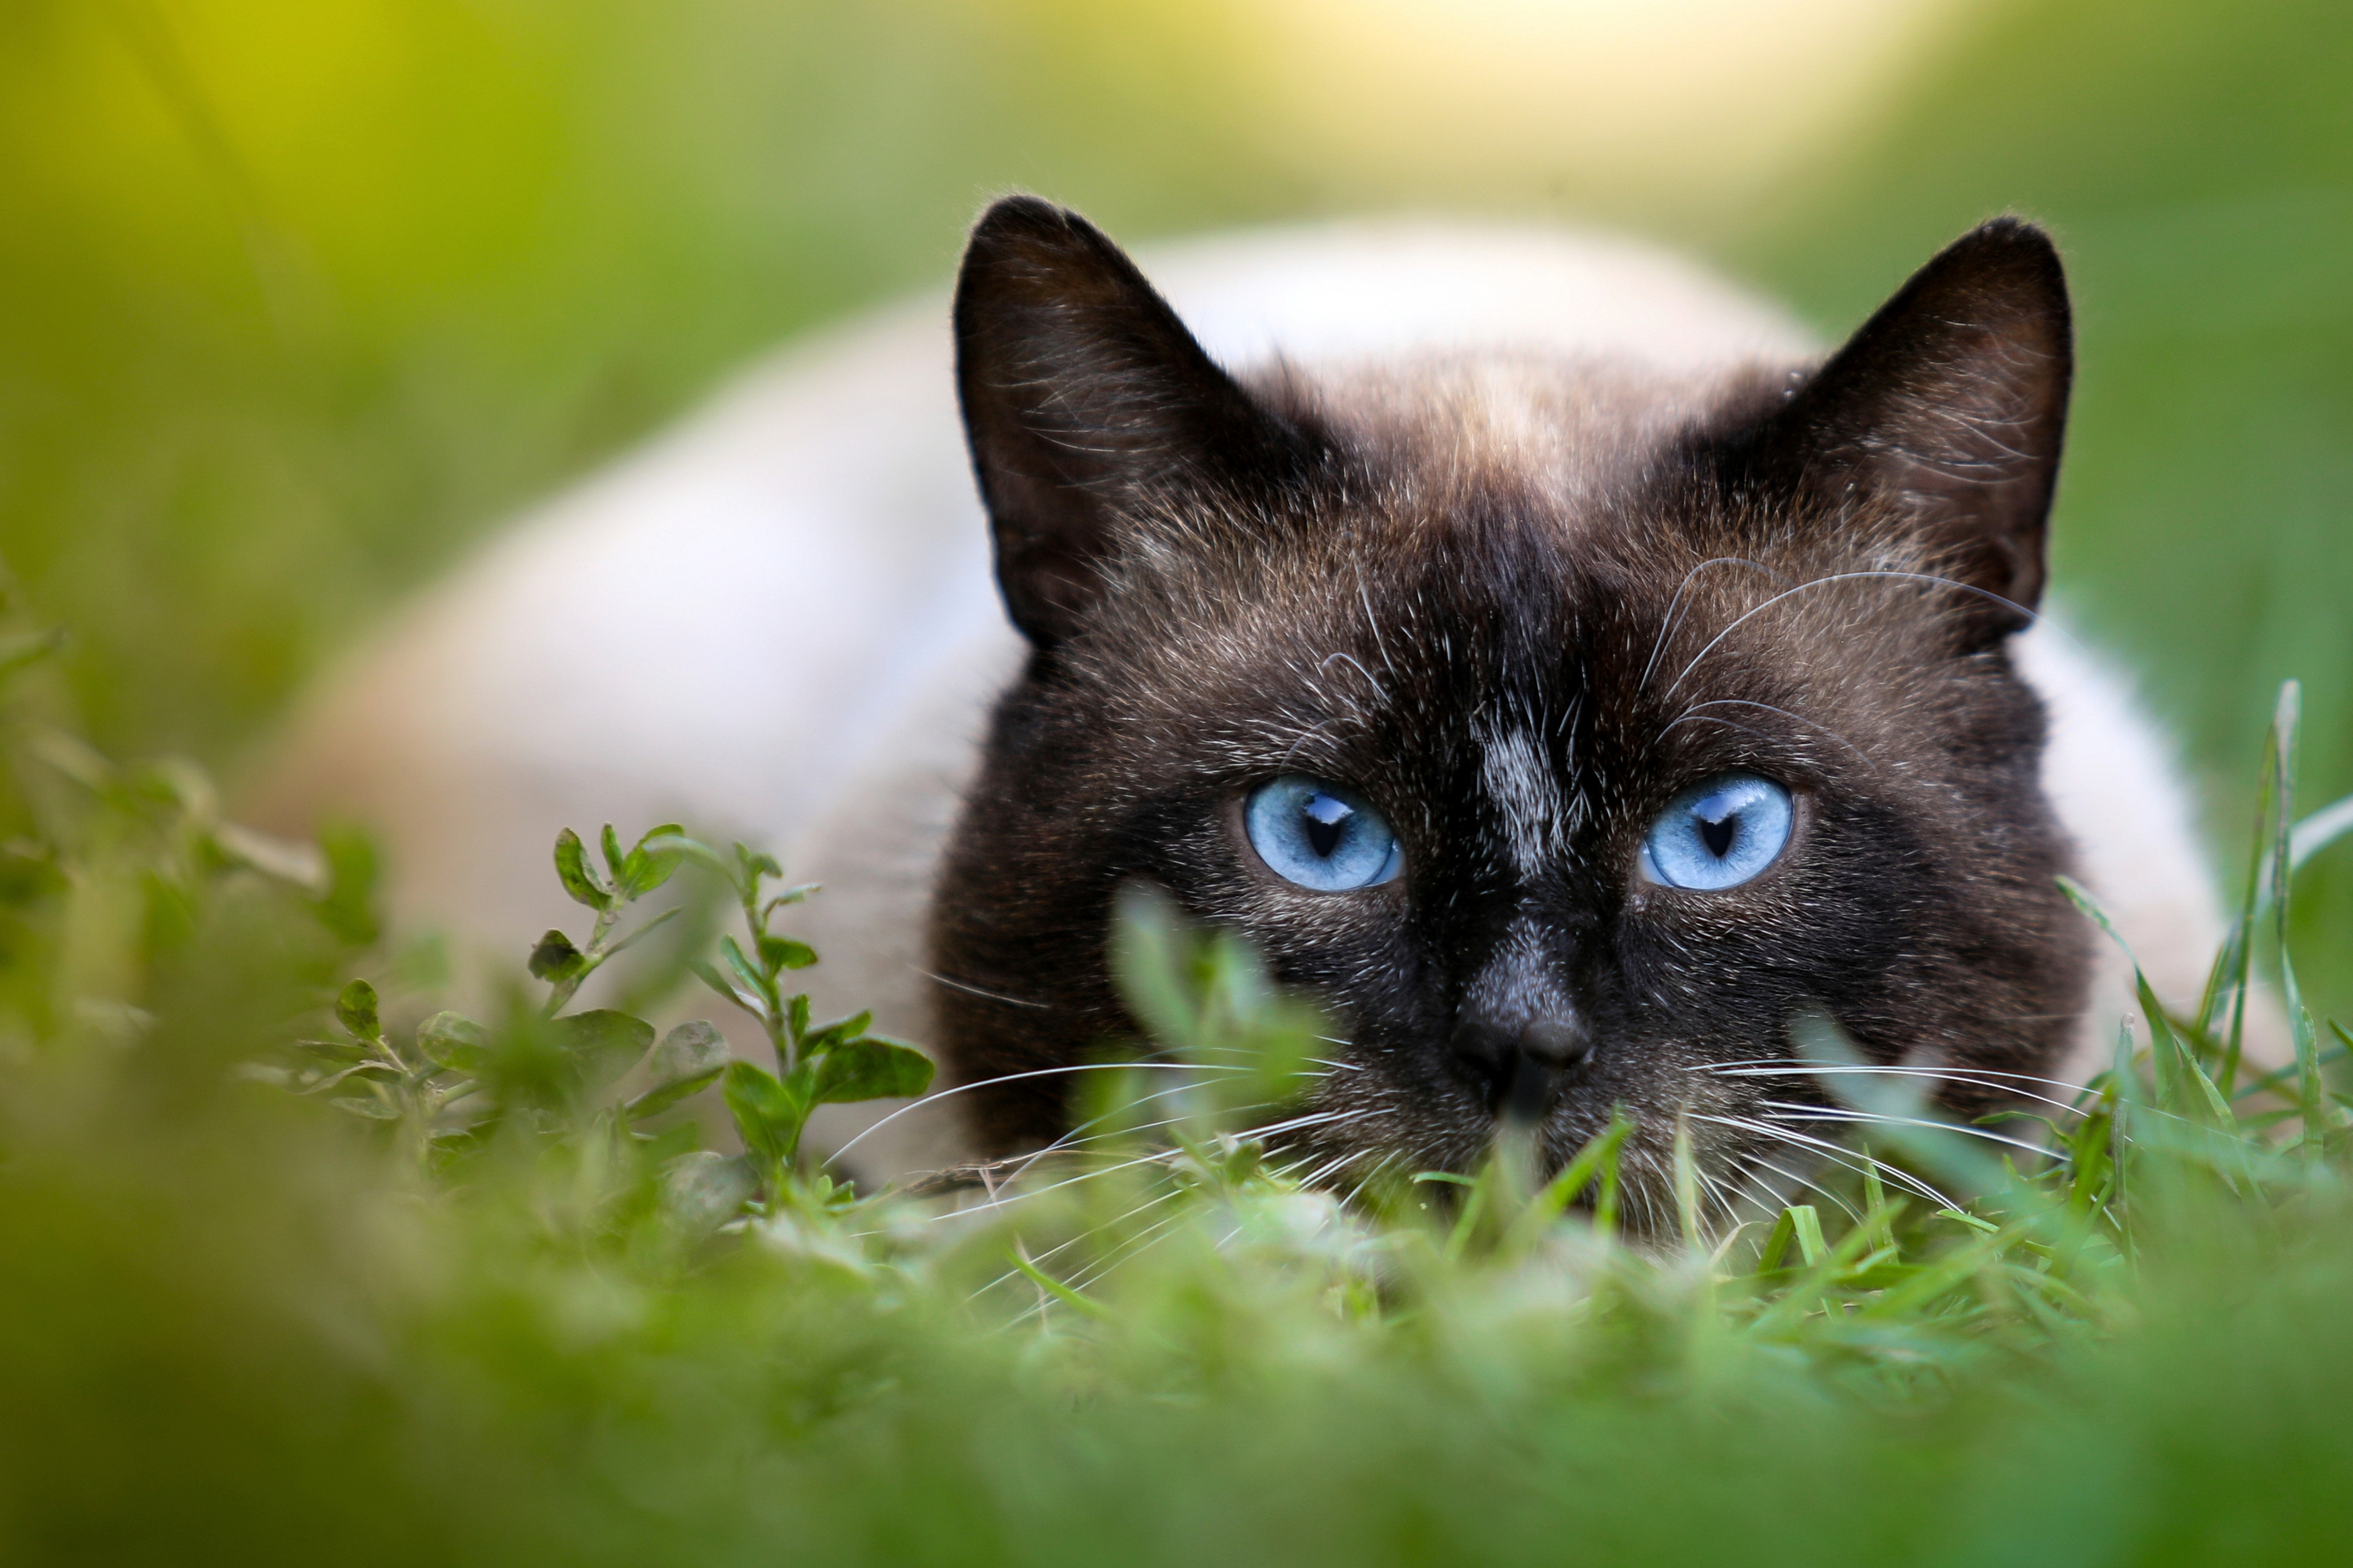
(1567, 729)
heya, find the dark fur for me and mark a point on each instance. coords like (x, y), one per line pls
(1224, 582)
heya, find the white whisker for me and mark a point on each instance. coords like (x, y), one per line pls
(996, 1202)
(1016, 1078)
(1974, 1083)
(1874, 1119)
(1672, 619)
(1768, 1067)
(1806, 1184)
(969, 989)
(1081, 1280)
(1843, 577)
(1892, 1173)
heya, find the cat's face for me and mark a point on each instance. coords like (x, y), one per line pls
(1566, 766)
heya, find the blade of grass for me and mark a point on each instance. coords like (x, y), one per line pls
(2310, 1090)
(1811, 1286)
(1686, 1184)
(2177, 1064)
(1599, 1157)
(1055, 1288)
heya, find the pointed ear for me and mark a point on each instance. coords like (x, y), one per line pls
(1951, 403)
(1084, 394)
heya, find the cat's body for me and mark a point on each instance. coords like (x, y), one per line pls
(780, 623)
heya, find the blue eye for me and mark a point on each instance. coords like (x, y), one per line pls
(1720, 833)
(1320, 835)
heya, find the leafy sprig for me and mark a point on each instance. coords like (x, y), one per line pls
(836, 1063)
(458, 1082)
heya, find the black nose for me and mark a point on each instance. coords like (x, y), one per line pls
(1521, 1069)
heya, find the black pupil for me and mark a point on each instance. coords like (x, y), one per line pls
(1718, 835)
(1328, 819)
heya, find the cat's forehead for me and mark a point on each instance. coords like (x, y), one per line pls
(1449, 432)
(1516, 545)
(1514, 505)
(1526, 501)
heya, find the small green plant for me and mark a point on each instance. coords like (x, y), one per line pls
(458, 1084)
(826, 1064)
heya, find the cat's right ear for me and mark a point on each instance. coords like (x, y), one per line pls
(1085, 397)
(1947, 409)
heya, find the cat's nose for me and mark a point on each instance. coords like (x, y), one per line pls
(1521, 1067)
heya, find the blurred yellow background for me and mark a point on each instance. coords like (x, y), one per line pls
(298, 300)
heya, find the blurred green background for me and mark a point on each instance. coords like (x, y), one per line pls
(298, 300)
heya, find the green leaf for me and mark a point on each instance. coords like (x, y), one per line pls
(1205, 994)
(1066, 1294)
(341, 1052)
(871, 1068)
(1806, 1222)
(1155, 959)
(789, 896)
(613, 856)
(2177, 1064)
(452, 1040)
(767, 1115)
(602, 1042)
(653, 859)
(750, 867)
(348, 908)
(571, 870)
(660, 1098)
(690, 1059)
(784, 953)
(704, 1190)
(1777, 1244)
(727, 988)
(1599, 1157)
(366, 1105)
(692, 1048)
(797, 1017)
(840, 1032)
(801, 1083)
(2287, 718)
(556, 959)
(753, 981)
(355, 1010)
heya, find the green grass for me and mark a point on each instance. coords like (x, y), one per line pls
(465, 1291)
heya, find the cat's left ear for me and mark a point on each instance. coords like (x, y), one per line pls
(1949, 404)
(1086, 400)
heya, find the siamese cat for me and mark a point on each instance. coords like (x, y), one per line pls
(1534, 645)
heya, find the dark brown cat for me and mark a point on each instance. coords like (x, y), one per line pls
(1567, 729)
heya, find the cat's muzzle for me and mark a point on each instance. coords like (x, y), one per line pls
(1521, 1070)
